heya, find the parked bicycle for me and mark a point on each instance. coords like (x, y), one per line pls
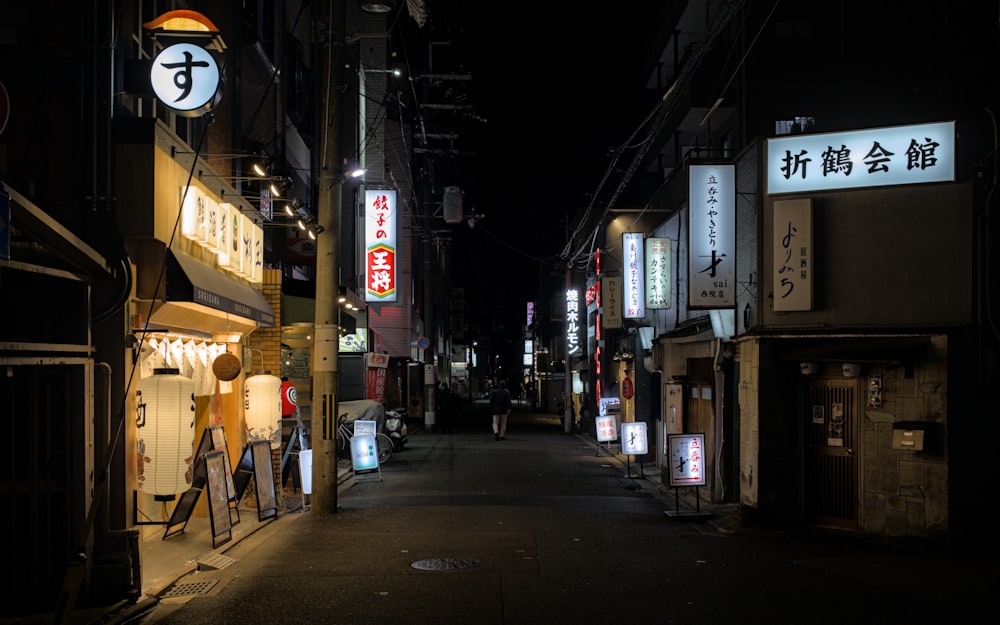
(345, 432)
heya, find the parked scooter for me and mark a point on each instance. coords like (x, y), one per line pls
(395, 427)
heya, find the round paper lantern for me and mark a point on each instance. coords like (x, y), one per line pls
(262, 406)
(164, 417)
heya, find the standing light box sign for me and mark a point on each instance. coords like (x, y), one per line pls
(792, 249)
(262, 407)
(686, 455)
(364, 450)
(657, 273)
(572, 322)
(635, 290)
(186, 79)
(872, 157)
(164, 419)
(712, 236)
(380, 245)
(607, 428)
(635, 440)
(611, 301)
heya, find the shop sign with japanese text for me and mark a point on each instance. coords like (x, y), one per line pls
(712, 236)
(872, 157)
(381, 219)
(572, 322)
(635, 290)
(686, 455)
(611, 301)
(657, 273)
(792, 270)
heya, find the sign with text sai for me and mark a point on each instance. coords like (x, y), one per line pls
(686, 458)
(712, 236)
(635, 441)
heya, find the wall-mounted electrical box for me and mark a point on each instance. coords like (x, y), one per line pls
(908, 435)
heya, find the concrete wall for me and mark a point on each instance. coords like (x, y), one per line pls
(906, 493)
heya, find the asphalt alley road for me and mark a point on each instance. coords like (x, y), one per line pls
(547, 527)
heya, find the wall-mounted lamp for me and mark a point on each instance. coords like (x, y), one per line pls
(808, 368)
(850, 369)
(279, 184)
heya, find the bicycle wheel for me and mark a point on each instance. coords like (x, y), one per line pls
(342, 446)
(384, 442)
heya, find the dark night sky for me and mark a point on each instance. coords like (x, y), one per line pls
(553, 92)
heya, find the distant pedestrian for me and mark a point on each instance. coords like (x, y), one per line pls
(500, 408)
(445, 408)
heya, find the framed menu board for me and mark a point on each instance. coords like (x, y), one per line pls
(263, 475)
(218, 498)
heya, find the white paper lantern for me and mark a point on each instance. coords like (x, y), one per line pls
(164, 416)
(262, 406)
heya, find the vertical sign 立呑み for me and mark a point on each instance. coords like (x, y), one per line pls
(712, 236)
(686, 455)
(792, 271)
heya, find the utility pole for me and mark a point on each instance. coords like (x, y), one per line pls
(326, 346)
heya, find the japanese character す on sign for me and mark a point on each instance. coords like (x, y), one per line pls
(380, 245)
(185, 75)
(686, 458)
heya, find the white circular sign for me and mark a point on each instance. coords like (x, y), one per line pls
(186, 78)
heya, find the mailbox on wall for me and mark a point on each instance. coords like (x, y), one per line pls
(908, 435)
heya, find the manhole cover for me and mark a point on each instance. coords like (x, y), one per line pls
(446, 564)
(195, 588)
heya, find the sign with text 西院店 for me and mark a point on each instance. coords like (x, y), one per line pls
(872, 157)
(712, 236)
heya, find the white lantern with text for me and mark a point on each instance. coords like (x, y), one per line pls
(164, 417)
(263, 407)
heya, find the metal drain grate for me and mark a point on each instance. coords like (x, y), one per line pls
(446, 564)
(215, 561)
(194, 588)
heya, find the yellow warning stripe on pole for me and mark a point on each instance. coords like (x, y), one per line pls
(329, 423)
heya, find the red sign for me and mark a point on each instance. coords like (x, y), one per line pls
(381, 261)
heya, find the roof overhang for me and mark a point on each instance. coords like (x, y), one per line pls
(198, 297)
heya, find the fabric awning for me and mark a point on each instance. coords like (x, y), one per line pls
(199, 297)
